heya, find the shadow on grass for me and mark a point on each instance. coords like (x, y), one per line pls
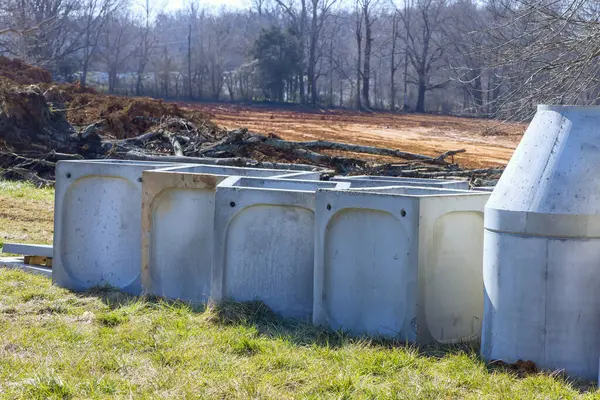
(301, 333)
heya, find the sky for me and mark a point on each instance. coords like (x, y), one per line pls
(172, 5)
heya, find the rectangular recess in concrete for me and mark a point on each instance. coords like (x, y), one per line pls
(97, 235)
(373, 181)
(178, 209)
(400, 262)
(264, 242)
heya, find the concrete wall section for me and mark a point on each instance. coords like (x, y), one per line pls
(450, 267)
(405, 265)
(97, 239)
(308, 176)
(373, 181)
(366, 254)
(264, 241)
(178, 228)
(177, 234)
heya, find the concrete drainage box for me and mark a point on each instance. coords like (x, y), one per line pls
(379, 181)
(177, 227)
(264, 243)
(400, 262)
(97, 239)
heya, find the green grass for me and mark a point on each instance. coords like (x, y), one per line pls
(26, 213)
(55, 344)
(25, 190)
(103, 344)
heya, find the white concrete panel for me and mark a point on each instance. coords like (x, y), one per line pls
(366, 266)
(409, 269)
(302, 176)
(280, 240)
(264, 241)
(42, 250)
(178, 228)
(455, 267)
(97, 237)
(375, 181)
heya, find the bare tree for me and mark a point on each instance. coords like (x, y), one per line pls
(542, 52)
(369, 19)
(42, 32)
(320, 11)
(94, 17)
(358, 34)
(426, 45)
(299, 19)
(116, 40)
(146, 46)
(395, 56)
(217, 34)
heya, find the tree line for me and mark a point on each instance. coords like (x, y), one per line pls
(490, 58)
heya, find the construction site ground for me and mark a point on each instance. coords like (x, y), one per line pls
(488, 143)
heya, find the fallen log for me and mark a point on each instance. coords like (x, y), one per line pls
(138, 140)
(232, 137)
(325, 145)
(27, 175)
(235, 162)
(170, 137)
(449, 174)
(8, 160)
(451, 153)
(227, 144)
(55, 156)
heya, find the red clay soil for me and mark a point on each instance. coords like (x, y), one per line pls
(488, 143)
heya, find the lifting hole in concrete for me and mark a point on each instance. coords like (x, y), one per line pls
(68, 175)
(232, 204)
(329, 206)
(403, 213)
(140, 179)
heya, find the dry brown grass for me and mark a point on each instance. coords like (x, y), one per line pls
(26, 213)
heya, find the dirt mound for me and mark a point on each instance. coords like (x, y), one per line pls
(124, 117)
(27, 121)
(21, 73)
(117, 117)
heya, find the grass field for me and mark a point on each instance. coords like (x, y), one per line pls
(103, 344)
(26, 213)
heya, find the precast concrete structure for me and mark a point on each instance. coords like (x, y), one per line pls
(542, 247)
(97, 236)
(302, 175)
(400, 262)
(379, 181)
(264, 241)
(178, 208)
